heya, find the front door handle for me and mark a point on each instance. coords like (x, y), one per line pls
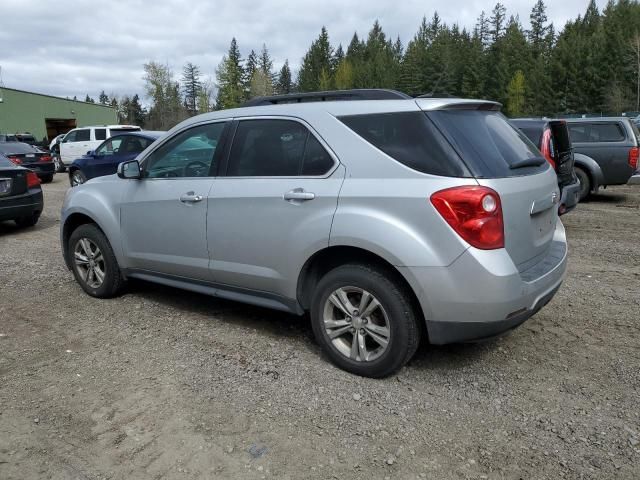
(299, 194)
(191, 197)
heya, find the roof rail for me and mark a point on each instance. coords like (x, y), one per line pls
(355, 94)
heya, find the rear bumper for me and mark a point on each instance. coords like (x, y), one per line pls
(21, 206)
(635, 180)
(482, 294)
(570, 196)
(41, 169)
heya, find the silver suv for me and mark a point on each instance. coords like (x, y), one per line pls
(386, 220)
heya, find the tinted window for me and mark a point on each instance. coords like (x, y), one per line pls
(188, 154)
(71, 136)
(411, 139)
(110, 147)
(276, 148)
(133, 145)
(100, 133)
(17, 147)
(488, 143)
(596, 132)
(82, 136)
(5, 162)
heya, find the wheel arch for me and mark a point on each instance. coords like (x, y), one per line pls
(323, 261)
(591, 168)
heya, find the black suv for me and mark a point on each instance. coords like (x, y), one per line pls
(552, 138)
(606, 151)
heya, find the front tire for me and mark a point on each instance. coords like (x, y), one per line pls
(364, 320)
(585, 183)
(93, 263)
(76, 177)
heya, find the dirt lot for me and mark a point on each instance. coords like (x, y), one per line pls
(166, 384)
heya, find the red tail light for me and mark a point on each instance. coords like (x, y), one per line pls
(474, 212)
(32, 180)
(633, 157)
(546, 147)
(15, 160)
(45, 158)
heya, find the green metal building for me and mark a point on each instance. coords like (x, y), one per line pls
(48, 116)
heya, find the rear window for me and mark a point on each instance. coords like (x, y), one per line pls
(119, 130)
(16, 147)
(411, 139)
(596, 132)
(488, 143)
(5, 162)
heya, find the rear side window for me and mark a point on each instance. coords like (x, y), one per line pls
(489, 145)
(596, 132)
(276, 148)
(411, 139)
(100, 133)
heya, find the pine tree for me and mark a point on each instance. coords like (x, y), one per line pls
(229, 77)
(191, 85)
(344, 76)
(88, 99)
(497, 22)
(284, 84)
(316, 61)
(247, 75)
(265, 65)
(539, 29)
(103, 99)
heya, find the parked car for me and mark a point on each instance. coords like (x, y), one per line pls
(8, 137)
(21, 197)
(552, 138)
(379, 218)
(606, 151)
(79, 141)
(104, 160)
(30, 157)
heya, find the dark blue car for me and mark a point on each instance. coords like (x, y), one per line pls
(104, 160)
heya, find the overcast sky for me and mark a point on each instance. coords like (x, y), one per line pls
(77, 47)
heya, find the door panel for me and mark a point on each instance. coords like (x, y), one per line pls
(259, 240)
(161, 232)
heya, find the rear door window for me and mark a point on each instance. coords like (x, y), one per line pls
(489, 145)
(276, 148)
(83, 135)
(411, 139)
(100, 133)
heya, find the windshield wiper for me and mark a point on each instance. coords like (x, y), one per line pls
(528, 162)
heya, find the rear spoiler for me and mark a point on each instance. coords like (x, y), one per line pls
(427, 104)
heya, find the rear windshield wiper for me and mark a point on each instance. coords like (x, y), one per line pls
(528, 162)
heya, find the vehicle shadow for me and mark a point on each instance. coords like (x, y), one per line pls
(298, 328)
(8, 227)
(220, 310)
(605, 198)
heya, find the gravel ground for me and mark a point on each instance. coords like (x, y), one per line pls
(162, 383)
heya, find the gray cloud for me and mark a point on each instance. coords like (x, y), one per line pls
(77, 47)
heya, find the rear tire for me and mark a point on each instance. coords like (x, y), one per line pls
(30, 221)
(393, 321)
(93, 263)
(47, 179)
(585, 183)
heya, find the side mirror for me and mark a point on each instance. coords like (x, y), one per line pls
(129, 170)
(91, 153)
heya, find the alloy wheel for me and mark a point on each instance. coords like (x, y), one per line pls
(76, 178)
(356, 324)
(89, 262)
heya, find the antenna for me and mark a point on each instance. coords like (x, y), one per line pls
(1, 85)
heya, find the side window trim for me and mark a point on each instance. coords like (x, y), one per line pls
(223, 172)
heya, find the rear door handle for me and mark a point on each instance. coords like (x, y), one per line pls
(191, 197)
(299, 194)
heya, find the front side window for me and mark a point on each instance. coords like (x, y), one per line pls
(71, 136)
(110, 147)
(276, 148)
(189, 154)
